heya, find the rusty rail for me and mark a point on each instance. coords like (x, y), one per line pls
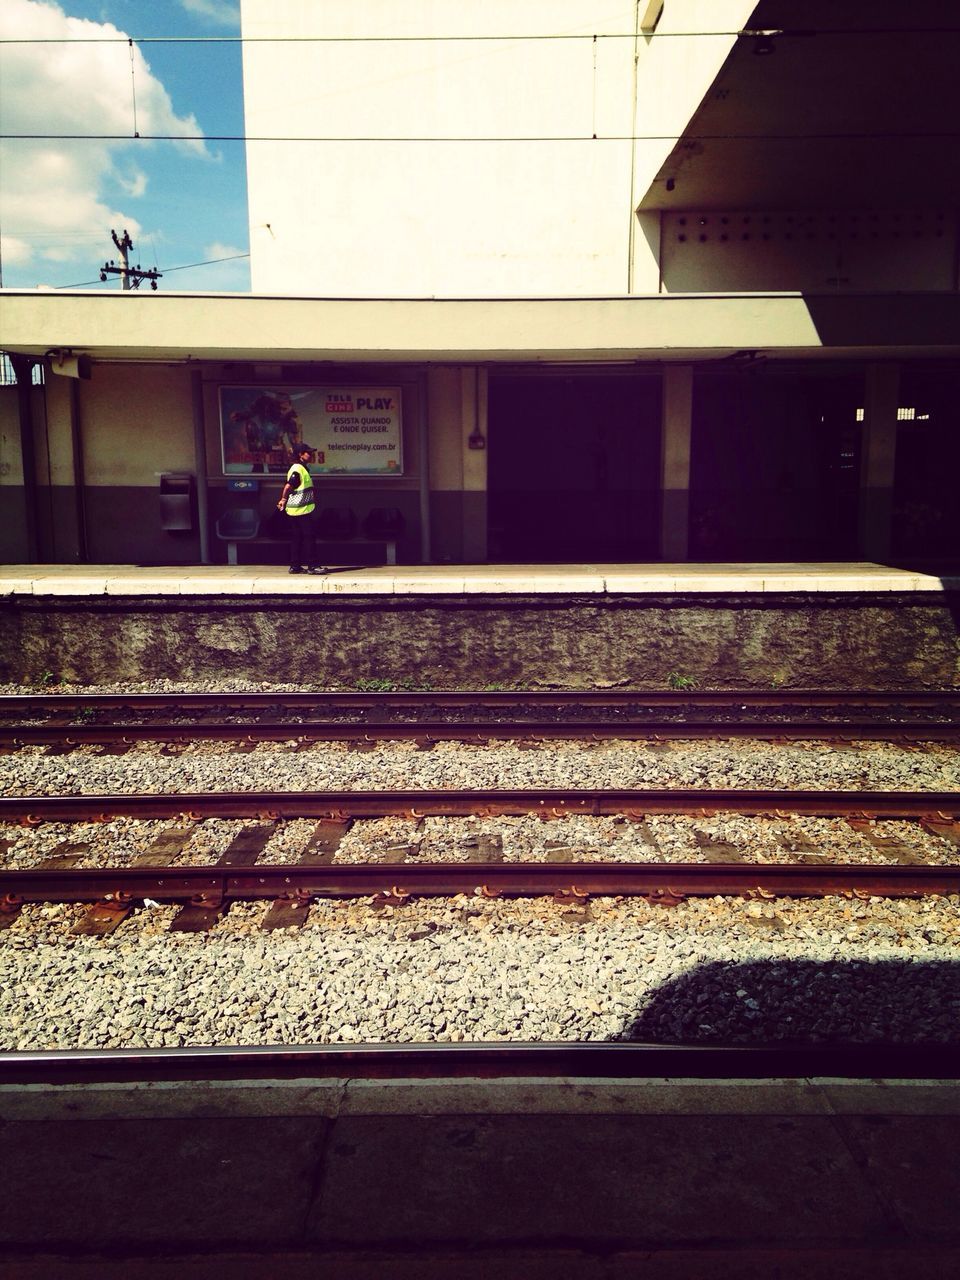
(76, 719)
(337, 805)
(479, 731)
(670, 882)
(500, 698)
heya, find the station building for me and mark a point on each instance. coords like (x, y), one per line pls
(680, 284)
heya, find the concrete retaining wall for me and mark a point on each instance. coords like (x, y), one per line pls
(878, 640)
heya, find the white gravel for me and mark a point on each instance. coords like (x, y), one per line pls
(214, 766)
(464, 969)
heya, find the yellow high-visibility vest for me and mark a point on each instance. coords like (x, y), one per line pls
(301, 501)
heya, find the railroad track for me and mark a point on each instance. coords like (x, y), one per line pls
(208, 890)
(68, 720)
(201, 894)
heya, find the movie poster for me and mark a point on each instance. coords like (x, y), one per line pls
(356, 431)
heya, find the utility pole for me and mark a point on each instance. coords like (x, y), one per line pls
(130, 277)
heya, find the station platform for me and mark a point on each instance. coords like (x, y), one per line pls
(449, 579)
(565, 626)
(568, 1178)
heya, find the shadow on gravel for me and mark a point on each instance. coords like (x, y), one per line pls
(805, 1002)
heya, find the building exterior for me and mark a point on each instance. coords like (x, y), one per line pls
(680, 282)
(500, 150)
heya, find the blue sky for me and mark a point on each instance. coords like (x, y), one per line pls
(183, 202)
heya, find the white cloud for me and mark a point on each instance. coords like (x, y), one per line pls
(134, 183)
(16, 251)
(220, 250)
(223, 11)
(54, 192)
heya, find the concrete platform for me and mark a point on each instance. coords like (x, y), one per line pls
(587, 1178)
(527, 579)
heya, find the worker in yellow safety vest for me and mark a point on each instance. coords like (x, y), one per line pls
(297, 500)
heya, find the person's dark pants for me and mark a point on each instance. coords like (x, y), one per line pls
(303, 540)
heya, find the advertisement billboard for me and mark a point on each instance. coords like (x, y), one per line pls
(356, 431)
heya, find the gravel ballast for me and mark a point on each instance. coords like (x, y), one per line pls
(467, 969)
(214, 766)
(707, 971)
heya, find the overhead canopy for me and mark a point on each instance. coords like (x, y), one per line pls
(852, 105)
(193, 327)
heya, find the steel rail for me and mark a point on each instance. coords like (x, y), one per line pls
(338, 805)
(622, 1060)
(214, 885)
(478, 731)
(11, 703)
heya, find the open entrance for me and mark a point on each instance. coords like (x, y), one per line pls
(775, 465)
(926, 514)
(574, 466)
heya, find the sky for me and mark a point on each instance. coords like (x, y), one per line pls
(182, 202)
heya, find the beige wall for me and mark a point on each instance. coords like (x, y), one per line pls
(457, 406)
(458, 474)
(445, 409)
(544, 205)
(135, 421)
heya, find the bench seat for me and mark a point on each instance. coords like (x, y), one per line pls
(266, 540)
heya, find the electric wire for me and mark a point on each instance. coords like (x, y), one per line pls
(133, 89)
(865, 135)
(768, 33)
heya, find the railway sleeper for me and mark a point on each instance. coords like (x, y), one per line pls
(67, 854)
(204, 909)
(942, 825)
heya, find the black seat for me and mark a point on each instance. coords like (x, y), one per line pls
(238, 523)
(384, 522)
(336, 524)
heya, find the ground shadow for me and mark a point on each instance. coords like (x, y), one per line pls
(805, 1002)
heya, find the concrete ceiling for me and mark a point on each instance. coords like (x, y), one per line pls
(840, 67)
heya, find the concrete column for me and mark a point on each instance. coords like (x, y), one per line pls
(474, 454)
(79, 480)
(23, 371)
(877, 459)
(200, 463)
(677, 415)
(423, 460)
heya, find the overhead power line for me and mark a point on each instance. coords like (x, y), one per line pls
(747, 33)
(891, 135)
(231, 257)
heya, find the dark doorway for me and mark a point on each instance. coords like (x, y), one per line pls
(574, 467)
(775, 464)
(926, 514)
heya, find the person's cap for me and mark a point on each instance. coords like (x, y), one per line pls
(303, 447)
